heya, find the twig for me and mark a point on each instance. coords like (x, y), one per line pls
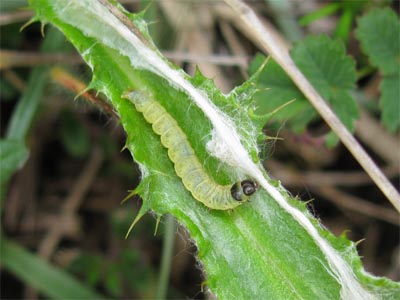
(358, 205)
(315, 178)
(378, 139)
(14, 17)
(280, 53)
(14, 79)
(224, 60)
(197, 39)
(324, 183)
(73, 84)
(12, 59)
(283, 12)
(234, 44)
(71, 204)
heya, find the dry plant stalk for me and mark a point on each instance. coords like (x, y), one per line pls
(280, 53)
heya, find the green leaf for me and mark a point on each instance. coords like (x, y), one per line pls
(142, 277)
(28, 104)
(319, 13)
(113, 280)
(379, 34)
(275, 90)
(345, 107)
(390, 102)
(343, 27)
(26, 108)
(13, 154)
(7, 91)
(49, 280)
(90, 265)
(324, 62)
(259, 249)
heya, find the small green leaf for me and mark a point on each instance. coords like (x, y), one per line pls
(39, 274)
(390, 102)
(324, 11)
(13, 154)
(343, 27)
(28, 104)
(275, 90)
(141, 277)
(7, 91)
(379, 34)
(90, 266)
(331, 139)
(325, 64)
(113, 281)
(332, 73)
(345, 107)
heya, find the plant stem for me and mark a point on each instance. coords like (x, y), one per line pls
(166, 257)
(281, 55)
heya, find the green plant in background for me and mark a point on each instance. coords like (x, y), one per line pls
(331, 72)
(13, 151)
(50, 280)
(74, 135)
(268, 248)
(379, 32)
(347, 11)
(126, 271)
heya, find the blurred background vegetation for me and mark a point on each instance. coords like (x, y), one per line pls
(63, 174)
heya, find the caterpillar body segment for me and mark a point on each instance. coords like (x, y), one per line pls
(187, 166)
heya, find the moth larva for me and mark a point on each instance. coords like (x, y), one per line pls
(187, 166)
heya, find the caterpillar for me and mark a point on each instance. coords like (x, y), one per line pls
(186, 164)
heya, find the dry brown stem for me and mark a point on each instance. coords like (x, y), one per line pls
(269, 42)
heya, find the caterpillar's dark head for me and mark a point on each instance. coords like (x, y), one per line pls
(241, 191)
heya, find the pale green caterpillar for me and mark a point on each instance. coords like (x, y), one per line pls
(187, 166)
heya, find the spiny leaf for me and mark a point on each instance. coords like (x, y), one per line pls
(258, 250)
